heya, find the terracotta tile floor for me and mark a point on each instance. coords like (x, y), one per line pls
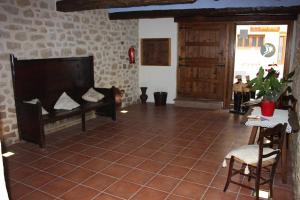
(151, 152)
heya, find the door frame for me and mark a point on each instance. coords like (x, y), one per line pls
(231, 53)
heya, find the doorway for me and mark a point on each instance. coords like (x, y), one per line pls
(259, 46)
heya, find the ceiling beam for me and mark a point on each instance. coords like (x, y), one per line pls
(278, 12)
(80, 5)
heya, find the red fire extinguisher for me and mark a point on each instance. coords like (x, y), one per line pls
(131, 54)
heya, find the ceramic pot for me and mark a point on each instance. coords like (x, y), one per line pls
(267, 108)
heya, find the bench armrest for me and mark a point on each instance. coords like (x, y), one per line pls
(31, 122)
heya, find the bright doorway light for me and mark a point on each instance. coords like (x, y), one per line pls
(124, 111)
(259, 45)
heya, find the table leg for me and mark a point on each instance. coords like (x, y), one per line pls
(284, 161)
(253, 135)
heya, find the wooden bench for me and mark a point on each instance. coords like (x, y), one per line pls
(47, 79)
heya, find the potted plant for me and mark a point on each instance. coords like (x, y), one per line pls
(269, 88)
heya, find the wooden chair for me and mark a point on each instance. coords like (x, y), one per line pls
(287, 102)
(266, 155)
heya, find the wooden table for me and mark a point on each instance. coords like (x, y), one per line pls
(280, 116)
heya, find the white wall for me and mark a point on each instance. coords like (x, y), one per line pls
(159, 78)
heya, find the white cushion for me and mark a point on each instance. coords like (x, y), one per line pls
(35, 101)
(92, 95)
(249, 153)
(65, 103)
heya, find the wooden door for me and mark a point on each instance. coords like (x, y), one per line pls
(202, 60)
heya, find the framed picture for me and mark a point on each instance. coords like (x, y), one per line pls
(156, 51)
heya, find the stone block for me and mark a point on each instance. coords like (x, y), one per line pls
(37, 37)
(67, 25)
(13, 27)
(46, 53)
(21, 36)
(13, 45)
(10, 9)
(23, 3)
(4, 34)
(80, 51)
(44, 5)
(22, 21)
(3, 18)
(28, 13)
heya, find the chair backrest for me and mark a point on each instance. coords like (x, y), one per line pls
(271, 138)
(287, 102)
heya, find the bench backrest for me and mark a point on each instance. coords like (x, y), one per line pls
(47, 79)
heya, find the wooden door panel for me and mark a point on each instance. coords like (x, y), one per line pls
(202, 60)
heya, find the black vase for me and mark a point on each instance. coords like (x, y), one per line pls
(143, 96)
(160, 98)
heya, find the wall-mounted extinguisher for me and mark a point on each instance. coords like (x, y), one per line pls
(131, 54)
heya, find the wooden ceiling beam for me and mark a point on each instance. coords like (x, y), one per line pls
(258, 12)
(80, 5)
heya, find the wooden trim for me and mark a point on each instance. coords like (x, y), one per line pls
(224, 14)
(230, 68)
(80, 5)
(288, 47)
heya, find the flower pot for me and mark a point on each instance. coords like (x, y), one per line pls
(267, 108)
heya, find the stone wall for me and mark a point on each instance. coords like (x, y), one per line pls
(295, 138)
(33, 29)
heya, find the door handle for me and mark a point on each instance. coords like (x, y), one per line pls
(220, 65)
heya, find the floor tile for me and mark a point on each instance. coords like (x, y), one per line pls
(199, 177)
(138, 176)
(77, 159)
(60, 169)
(37, 195)
(183, 161)
(99, 181)
(116, 170)
(106, 197)
(176, 197)
(43, 163)
(80, 193)
(39, 179)
(19, 190)
(143, 152)
(123, 189)
(79, 174)
(131, 161)
(96, 164)
(206, 166)
(150, 194)
(162, 157)
(111, 156)
(61, 155)
(21, 173)
(77, 147)
(174, 171)
(163, 183)
(151, 166)
(190, 190)
(58, 186)
(215, 194)
(93, 151)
